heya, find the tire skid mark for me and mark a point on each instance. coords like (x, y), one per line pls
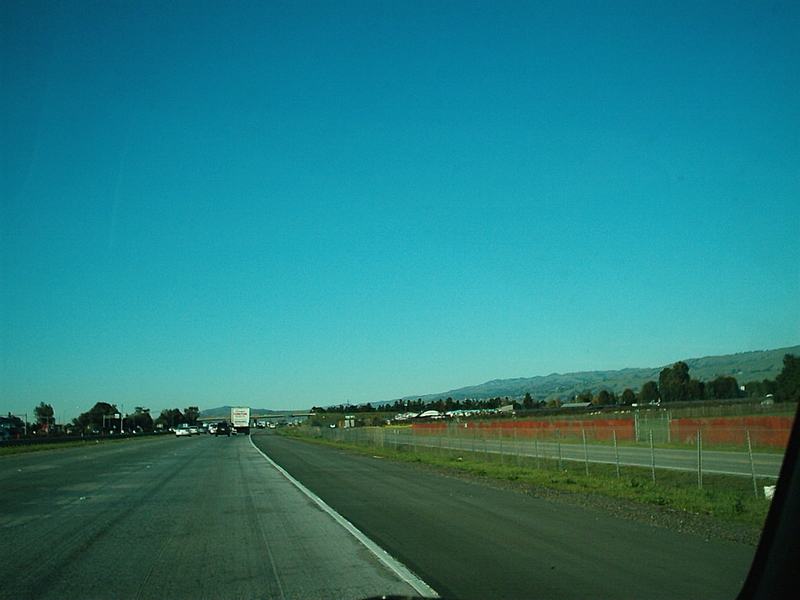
(251, 505)
(55, 547)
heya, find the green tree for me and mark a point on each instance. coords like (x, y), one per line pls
(191, 414)
(44, 415)
(628, 397)
(527, 402)
(141, 418)
(787, 383)
(649, 393)
(697, 389)
(722, 388)
(673, 383)
(97, 418)
(604, 398)
(170, 417)
(756, 389)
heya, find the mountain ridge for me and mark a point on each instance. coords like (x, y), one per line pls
(755, 365)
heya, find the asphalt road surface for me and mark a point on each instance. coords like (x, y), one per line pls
(468, 540)
(206, 517)
(198, 517)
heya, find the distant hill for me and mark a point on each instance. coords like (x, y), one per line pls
(744, 366)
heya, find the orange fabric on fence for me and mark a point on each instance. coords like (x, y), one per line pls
(596, 429)
(764, 431)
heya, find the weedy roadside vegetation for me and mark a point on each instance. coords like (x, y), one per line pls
(722, 497)
(6, 451)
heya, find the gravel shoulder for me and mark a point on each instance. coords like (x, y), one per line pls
(654, 516)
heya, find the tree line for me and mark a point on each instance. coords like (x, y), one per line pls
(418, 405)
(674, 385)
(104, 417)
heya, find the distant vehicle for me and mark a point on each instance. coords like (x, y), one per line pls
(222, 428)
(240, 419)
(212, 429)
(12, 425)
(182, 430)
(194, 430)
(430, 414)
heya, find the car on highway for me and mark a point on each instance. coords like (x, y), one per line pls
(222, 428)
(183, 430)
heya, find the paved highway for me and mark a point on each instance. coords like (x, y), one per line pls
(471, 541)
(198, 517)
(206, 517)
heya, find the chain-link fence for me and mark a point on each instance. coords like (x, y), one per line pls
(651, 444)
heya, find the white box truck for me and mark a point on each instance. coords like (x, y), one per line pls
(240, 419)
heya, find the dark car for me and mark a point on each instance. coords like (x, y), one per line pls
(223, 429)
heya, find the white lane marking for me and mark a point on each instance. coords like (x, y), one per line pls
(422, 588)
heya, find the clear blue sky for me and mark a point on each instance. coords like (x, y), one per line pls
(287, 204)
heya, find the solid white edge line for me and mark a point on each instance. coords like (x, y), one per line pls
(422, 588)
